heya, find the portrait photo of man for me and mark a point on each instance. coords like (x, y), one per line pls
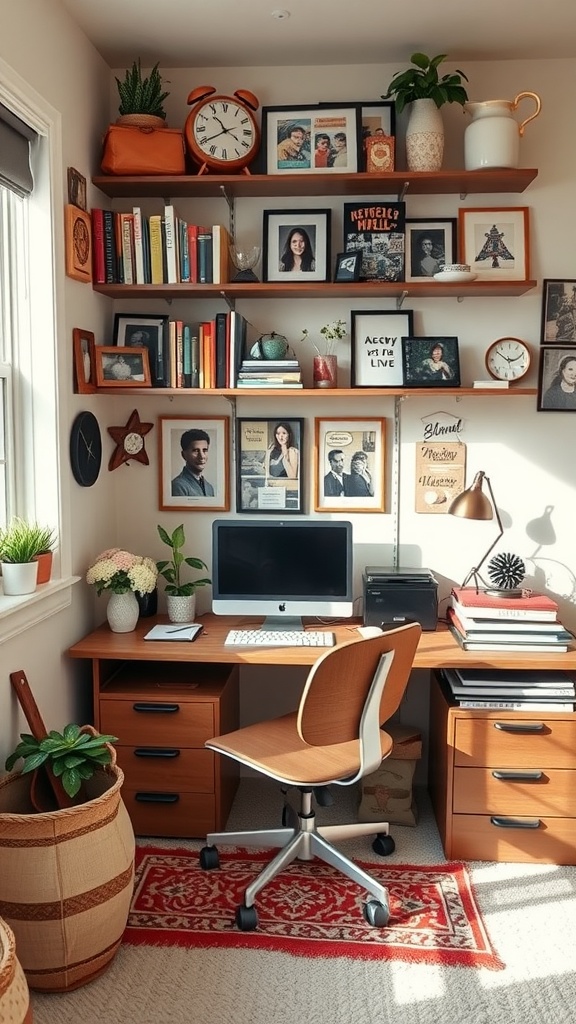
(191, 481)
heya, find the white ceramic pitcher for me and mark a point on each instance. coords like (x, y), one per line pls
(492, 139)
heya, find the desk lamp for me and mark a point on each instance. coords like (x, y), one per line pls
(473, 504)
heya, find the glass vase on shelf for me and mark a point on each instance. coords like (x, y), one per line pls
(244, 259)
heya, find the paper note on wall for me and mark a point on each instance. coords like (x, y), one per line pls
(440, 475)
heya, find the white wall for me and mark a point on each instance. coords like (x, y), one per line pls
(523, 451)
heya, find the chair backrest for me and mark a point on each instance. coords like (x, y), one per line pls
(338, 685)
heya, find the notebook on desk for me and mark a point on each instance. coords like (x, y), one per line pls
(175, 631)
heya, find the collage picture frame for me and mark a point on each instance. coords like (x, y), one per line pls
(311, 139)
(349, 464)
(269, 465)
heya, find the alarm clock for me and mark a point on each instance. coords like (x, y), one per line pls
(221, 132)
(508, 359)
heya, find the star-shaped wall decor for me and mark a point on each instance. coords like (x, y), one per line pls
(129, 442)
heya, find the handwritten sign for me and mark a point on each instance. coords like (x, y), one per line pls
(440, 475)
(377, 347)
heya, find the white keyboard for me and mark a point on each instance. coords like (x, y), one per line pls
(278, 638)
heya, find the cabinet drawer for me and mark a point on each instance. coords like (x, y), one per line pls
(170, 768)
(475, 837)
(491, 743)
(158, 722)
(476, 791)
(188, 815)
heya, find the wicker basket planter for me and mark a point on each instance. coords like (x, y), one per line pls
(14, 996)
(66, 880)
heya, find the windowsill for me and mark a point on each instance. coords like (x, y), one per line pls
(20, 613)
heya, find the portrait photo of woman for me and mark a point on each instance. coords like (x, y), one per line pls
(557, 384)
(430, 362)
(282, 455)
(297, 252)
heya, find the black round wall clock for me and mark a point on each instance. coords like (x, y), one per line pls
(85, 449)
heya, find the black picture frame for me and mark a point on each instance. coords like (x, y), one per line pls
(418, 362)
(375, 118)
(278, 228)
(262, 480)
(554, 361)
(423, 263)
(558, 311)
(146, 330)
(307, 122)
(348, 266)
(376, 351)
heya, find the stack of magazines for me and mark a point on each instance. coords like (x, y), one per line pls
(483, 622)
(511, 690)
(268, 373)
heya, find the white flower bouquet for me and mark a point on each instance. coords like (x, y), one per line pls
(120, 572)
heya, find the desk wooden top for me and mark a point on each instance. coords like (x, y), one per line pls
(436, 649)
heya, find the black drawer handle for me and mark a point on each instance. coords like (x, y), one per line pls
(519, 726)
(157, 798)
(156, 752)
(517, 776)
(147, 707)
(515, 822)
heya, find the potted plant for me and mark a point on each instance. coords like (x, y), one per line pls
(325, 370)
(124, 575)
(141, 98)
(421, 87)
(180, 596)
(21, 543)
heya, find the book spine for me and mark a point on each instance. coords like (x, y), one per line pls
(187, 356)
(109, 250)
(118, 253)
(169, 224)
(98, 261)
(509, 705)
(156, 261)
(220, 253)
(184, 252)
(195, 362)
(205, 257)
(193, 252)
(172, 362)
(138, 246)
(179, 354)
(127, 224)
(505, 612)
(220, 350)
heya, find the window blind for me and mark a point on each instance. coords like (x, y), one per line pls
(15, 139)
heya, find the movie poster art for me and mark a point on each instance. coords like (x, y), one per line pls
(378, 231)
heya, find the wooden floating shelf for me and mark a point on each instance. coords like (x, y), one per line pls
(359, 290)
(321, 392)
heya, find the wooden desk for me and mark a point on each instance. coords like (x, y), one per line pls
(165, 699)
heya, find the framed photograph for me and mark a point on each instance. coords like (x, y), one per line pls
(348, 266)
(376, 119)
(194, 461)
(83, 348)
(557, 379)
(376, 359)
(430, 362)
(122, 367)
(269, 473)
(495, 242)
(145, 330)
(78, 243)
(558, 311)
(311, 139)
(296, 245)
(76, 188)
(349, 460)
(430, 244)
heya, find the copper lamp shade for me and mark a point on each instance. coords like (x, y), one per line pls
(474, 504)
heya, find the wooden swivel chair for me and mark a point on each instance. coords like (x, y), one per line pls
(334, 737)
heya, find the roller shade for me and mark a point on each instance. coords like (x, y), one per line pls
(15, 139)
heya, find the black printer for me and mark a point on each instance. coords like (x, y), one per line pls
(394, 595)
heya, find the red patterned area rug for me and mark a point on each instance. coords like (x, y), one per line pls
(309, 909)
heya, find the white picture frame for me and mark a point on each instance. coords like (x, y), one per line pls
(171, 463)
(376, 357)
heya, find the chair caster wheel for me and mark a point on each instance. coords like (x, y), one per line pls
(383, 845)
(376, 914)
(246, 918)
(209, 858)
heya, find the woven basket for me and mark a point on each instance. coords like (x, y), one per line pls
(66, 880)
(14, 997)
(141, 121)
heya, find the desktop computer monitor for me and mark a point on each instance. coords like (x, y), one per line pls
(282, 569)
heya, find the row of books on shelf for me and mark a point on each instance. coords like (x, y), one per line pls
(129, 248)
(522, 690)
(203, 355)
(483, 622)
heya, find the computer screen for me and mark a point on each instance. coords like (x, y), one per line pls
(282, 569)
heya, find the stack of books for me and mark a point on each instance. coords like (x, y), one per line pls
(483, 622)
(529, 690)
(269, 373)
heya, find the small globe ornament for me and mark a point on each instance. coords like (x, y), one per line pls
(244, 259)
(506, 571)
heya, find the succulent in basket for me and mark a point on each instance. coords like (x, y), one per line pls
(171, 569)
(141, 95)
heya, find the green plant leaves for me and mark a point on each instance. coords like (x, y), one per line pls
(141, 96)
(170, 569)
(72, 755)
(422, 82)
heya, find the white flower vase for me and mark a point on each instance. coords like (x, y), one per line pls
(122, 612)
(424, 137)
(181, 609)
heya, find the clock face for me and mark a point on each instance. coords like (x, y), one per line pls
(133, 443)
(222, 133)
(85, 449)
(508, 359)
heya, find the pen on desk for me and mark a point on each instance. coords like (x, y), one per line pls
(181, 629)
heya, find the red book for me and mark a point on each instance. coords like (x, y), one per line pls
(98, 261)
(537, 607)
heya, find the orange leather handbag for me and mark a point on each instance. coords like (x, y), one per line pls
(143, 151)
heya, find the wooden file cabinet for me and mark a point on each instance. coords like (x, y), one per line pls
(162, 713)
(503, 784)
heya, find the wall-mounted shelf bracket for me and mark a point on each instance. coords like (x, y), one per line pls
(230, 202)
(460, 298)
(400, 299)
(229, 302)
(463, 195)
(403, 190)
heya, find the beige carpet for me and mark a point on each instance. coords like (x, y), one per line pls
(529, 911)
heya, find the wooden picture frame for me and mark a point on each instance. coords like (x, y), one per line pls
(78, 243)
(558, 311)
(83, 351)
(279, 229)
(349, 464)
(269, 465)
(292, 139)
(430, 245)
(556, 375)
(495, 242)
(179, 486)
(376, 355)
(145, 330)
(376, 119)
(348, 266)
(430, 362)
(122, 367)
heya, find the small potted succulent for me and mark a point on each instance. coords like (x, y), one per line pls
(325, 370)
(180, 595)
(141, 98)
(21, 542)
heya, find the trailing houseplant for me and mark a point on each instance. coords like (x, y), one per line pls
(422, 81)
(140, 95)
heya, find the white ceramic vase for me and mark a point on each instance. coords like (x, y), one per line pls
(181, 609)
(424, 137)
(122, 612)
(19, 578)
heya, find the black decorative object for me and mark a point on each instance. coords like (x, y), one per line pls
(147, 603)
(506, 571)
